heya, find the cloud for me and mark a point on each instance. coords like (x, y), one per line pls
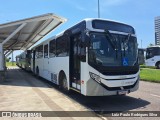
(76, 5)
(81, 8)
(106, 4)
(113, 2)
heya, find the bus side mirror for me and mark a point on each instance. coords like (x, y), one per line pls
(86, 40)
(83, 54)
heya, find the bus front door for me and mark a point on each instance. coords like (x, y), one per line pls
(75, 62)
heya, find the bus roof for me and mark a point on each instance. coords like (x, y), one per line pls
(109, 20)
(86, 20)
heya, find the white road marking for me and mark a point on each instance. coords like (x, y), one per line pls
(103, 118)
(155, 95)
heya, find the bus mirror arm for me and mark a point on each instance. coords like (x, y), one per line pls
(83, 53)
(83, 58)
(86, 41)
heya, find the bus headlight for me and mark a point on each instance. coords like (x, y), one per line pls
(95, 77)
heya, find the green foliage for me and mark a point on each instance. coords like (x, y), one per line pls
(144, 66)
(152, 75)
(150, 45)
(7, 59)
(10, 64)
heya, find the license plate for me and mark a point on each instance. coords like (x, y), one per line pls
(122, 92)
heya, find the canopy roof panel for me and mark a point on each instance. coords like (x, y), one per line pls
(22, 34)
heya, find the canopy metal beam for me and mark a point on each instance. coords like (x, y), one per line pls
(12, 34)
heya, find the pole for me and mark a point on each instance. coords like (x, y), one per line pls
(12, 57)
(1, 57)
(141, 43)
(98, 10)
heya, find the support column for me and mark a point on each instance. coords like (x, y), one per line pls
(2, 67)
(2, 61)
(1, 57)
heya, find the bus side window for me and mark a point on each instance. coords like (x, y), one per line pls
(36, 51)
(62, 47)
(52, 48)
(40, 51)
(46, 51)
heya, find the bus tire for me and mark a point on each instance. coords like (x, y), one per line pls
(158, 65)
(63, 82)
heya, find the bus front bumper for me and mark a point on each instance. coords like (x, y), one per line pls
(97, 89)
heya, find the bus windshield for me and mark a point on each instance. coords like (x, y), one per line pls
(102, 52)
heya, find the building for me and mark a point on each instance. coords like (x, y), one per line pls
(157, 30)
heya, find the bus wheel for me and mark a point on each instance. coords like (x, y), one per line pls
(158, 65)
(63, 84)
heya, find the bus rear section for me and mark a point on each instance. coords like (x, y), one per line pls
(24, 60)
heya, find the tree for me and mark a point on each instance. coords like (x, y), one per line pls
(151, 45)
(7, 59)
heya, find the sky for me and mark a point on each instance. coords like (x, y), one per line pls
(138, 13)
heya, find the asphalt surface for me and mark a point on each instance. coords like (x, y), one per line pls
(22, 91)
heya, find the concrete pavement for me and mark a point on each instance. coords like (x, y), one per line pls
(24, 92)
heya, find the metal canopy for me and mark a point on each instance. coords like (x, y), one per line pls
(22, 34)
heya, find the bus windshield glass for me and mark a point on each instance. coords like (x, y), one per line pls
(153, 51)
(114, 26)
(102, 52)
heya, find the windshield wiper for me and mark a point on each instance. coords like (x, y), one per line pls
(128, 37)
(112, 40)
(125, 43)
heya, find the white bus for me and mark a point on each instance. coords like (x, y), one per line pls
(153, 56)
(96, 57)
(24, 60)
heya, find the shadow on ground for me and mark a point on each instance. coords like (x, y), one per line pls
(98, 104)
